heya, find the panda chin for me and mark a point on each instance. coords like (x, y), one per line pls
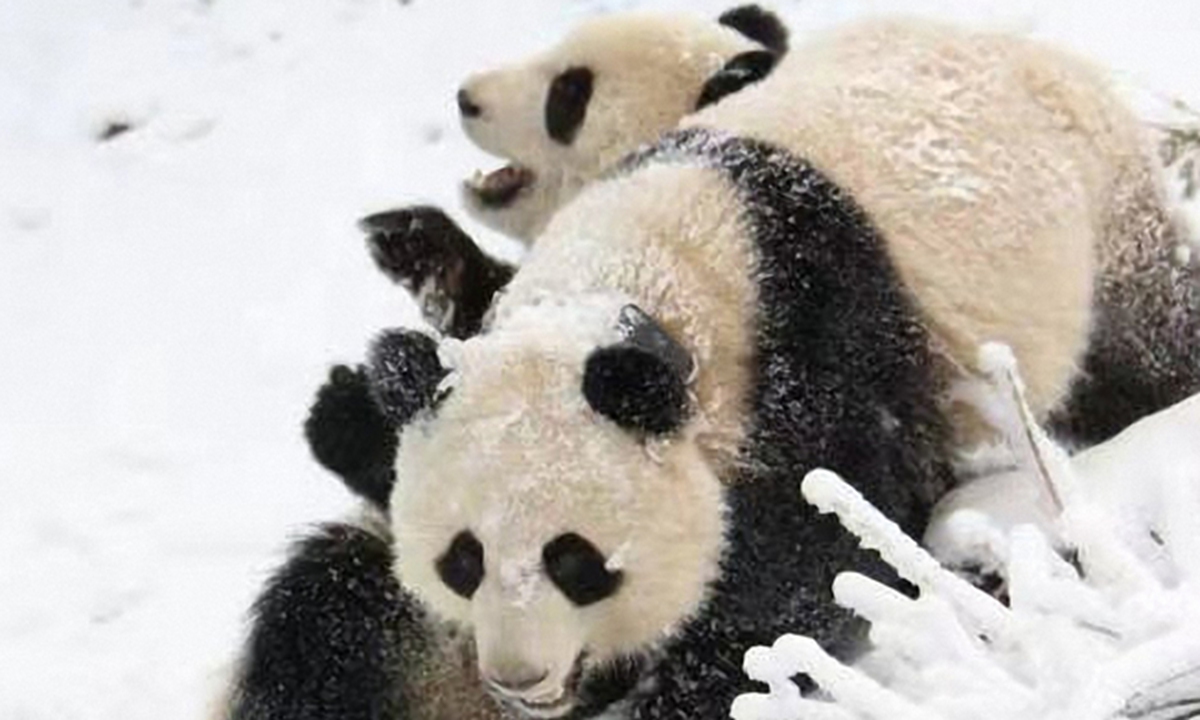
(560, 707)
(500, 188)
(589, 691)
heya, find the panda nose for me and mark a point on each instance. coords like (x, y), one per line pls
(517, 682)
(466, 106)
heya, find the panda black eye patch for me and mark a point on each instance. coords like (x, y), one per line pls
(567, 103)
(461, 567)
(578, 569)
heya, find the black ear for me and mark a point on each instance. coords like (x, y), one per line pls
(567, 103)
(640, 383)
(744, 69)
(404, 373)
(761, 26)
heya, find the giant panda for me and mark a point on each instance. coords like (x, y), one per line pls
(561, 117)
(597, 498)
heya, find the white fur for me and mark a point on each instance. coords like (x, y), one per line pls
(992, 165)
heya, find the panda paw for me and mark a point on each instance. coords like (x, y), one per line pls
(412, 245)
(349, 434)
(423, 250)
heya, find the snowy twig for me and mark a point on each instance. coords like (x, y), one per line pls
(1117, 637)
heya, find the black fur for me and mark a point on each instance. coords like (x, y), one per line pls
(403, 373)
(353, 425)
(639, 383)
(461, 566)
(742, 70)
(349, 434)
(845, 380)
(635, 388)
(760, 25)
(579, 570)
(1144, 350)
(327, 635)
(567, 103)
(639, 329)
(423, 250)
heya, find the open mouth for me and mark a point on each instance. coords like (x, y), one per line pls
(500, 188)
(561, 705)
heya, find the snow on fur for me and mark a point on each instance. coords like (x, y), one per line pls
(1114, 634)
(171, 297)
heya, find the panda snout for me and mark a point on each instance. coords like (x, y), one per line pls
(467, 106)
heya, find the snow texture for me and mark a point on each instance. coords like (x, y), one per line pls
(179, 264)
(1103, 601)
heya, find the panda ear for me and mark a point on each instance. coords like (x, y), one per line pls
(640, 382)
(404, 374)
(758, 24)
(744, 69)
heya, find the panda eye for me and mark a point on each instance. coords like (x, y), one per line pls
(461, 567)
(577, 568)
(567, 103)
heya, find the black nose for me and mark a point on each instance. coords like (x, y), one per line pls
(466, 107)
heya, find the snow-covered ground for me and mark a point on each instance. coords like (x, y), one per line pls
(171, 297)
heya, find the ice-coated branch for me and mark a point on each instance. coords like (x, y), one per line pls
(1115, 636)
(830, 494)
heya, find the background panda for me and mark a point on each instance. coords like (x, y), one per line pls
(602, 489)
(562, 117)
(1141, 332)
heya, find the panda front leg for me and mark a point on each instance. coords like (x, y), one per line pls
(330, 635)
(352, 427)
(452, 279)
(334, 636)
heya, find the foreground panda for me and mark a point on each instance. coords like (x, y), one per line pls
(597, 502)
(560, 119)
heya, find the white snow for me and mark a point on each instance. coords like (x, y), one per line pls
(1119, 636)
(170, 298)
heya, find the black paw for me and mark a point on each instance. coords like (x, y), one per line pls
(403, 374)
(349, 434)
(423, 250)
(413, 245)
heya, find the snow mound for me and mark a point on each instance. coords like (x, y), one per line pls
(1100, 569)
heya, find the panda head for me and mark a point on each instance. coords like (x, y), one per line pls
(561, 117)
(530, 509)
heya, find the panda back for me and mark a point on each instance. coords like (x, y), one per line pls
(984, 161)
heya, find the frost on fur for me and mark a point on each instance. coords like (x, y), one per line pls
(1102, 575)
